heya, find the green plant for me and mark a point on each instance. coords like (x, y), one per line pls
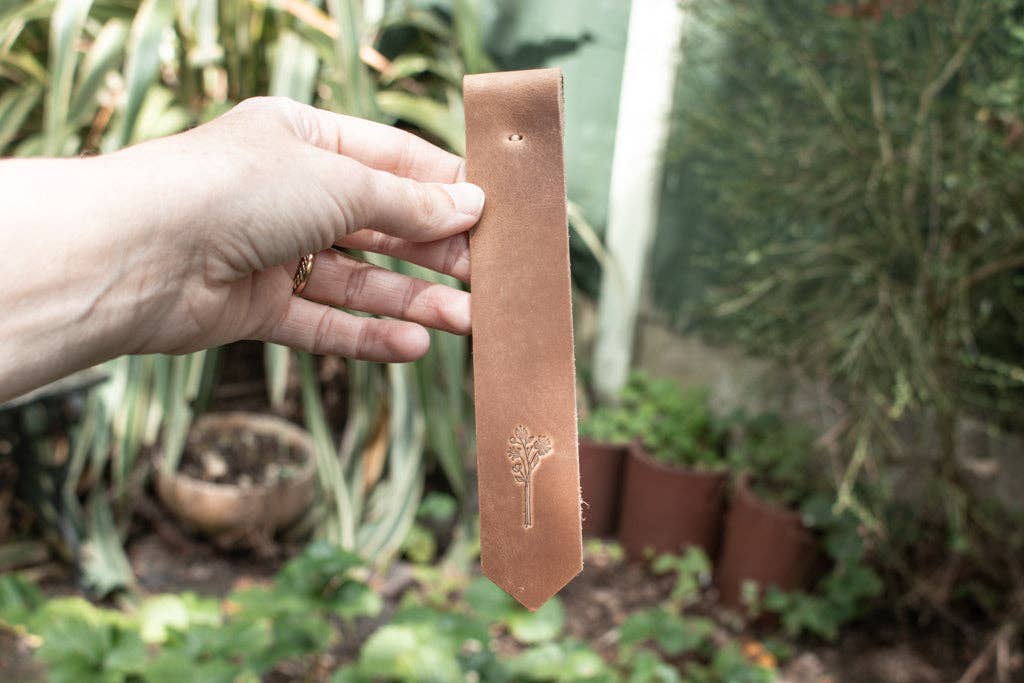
(676, 425)
(846, 593)
(423, 645)
(776, 455)
(848, 175)
(83, 76)
(452, 643)
(82, 642)
(729, 665)
(673, 632)
(436, 514)
(18, 598)
(693, 574)
(167, 638)
(565, 661)
(488, 602)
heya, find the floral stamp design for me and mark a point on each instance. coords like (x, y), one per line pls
(525, 452)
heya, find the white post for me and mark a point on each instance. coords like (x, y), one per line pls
(645, 106)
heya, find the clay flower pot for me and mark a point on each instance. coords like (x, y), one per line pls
(763, 543)
(668, 508)
(230, 509)
(600, 483)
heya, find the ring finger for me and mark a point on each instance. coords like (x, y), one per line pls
(345, 282)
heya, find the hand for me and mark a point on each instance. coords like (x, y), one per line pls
(191, 241)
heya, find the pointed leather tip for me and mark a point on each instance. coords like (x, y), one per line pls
(531, 591)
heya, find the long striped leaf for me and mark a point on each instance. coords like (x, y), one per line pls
(65, 29)
(340, 523)
(469, 31)
(153, 19)
(15, 15)
(178, 411)
(293, 72)
(19, 65)
(276, 359)
(103, 56)
(357, 83)
(15, 106)
(159, 116)
(395, 500)
(432, 117)
(105, 567)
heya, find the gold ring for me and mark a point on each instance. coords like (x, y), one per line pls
(302, 273)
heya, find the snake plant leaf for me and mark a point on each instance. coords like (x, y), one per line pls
(13, 11)
(154, 18)
(276, 361)
(23, 66)
(469, 33)
(293, 74)
(405, 66)
(104, 565)
(396, 499)
(356, 84)
(159, 116)
(103, 57)
(419, 19)
(15, 106)
(339, 527)
(444, 123)
(205, 27)
(294, 68)
(15, 15)
(65, 28)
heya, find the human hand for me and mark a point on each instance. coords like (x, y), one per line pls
(192, 241)
(273, 180)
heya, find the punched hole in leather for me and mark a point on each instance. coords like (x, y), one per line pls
(524, 370)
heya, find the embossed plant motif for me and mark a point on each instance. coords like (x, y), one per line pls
(525, 452)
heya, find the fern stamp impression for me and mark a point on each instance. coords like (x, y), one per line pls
(525, 452)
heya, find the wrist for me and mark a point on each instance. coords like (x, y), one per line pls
(77, 283)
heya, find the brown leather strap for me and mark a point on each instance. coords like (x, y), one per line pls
(524, 374)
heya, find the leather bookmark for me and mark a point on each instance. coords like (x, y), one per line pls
(523, 366)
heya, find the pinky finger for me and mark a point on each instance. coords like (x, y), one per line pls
(320, 329)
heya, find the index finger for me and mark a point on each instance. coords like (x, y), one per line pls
(378, 146)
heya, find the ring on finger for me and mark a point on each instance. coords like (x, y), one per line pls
(302, 273)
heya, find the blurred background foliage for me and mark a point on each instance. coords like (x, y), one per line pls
(844, 196)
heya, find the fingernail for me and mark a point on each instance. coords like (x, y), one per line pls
(467, 197)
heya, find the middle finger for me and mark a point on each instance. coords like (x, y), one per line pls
(343, 281)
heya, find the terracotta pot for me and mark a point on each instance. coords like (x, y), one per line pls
(763, 543)
(224, 509)
(668, 508)
(600, 483)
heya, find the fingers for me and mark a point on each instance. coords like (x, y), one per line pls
(376, 176)
(376, 145)
(449, 255)
(320, 329)
(340, 280)
(409, 209)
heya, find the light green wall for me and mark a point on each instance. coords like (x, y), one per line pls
(587, 39)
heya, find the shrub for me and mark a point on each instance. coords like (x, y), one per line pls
(676, 425)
